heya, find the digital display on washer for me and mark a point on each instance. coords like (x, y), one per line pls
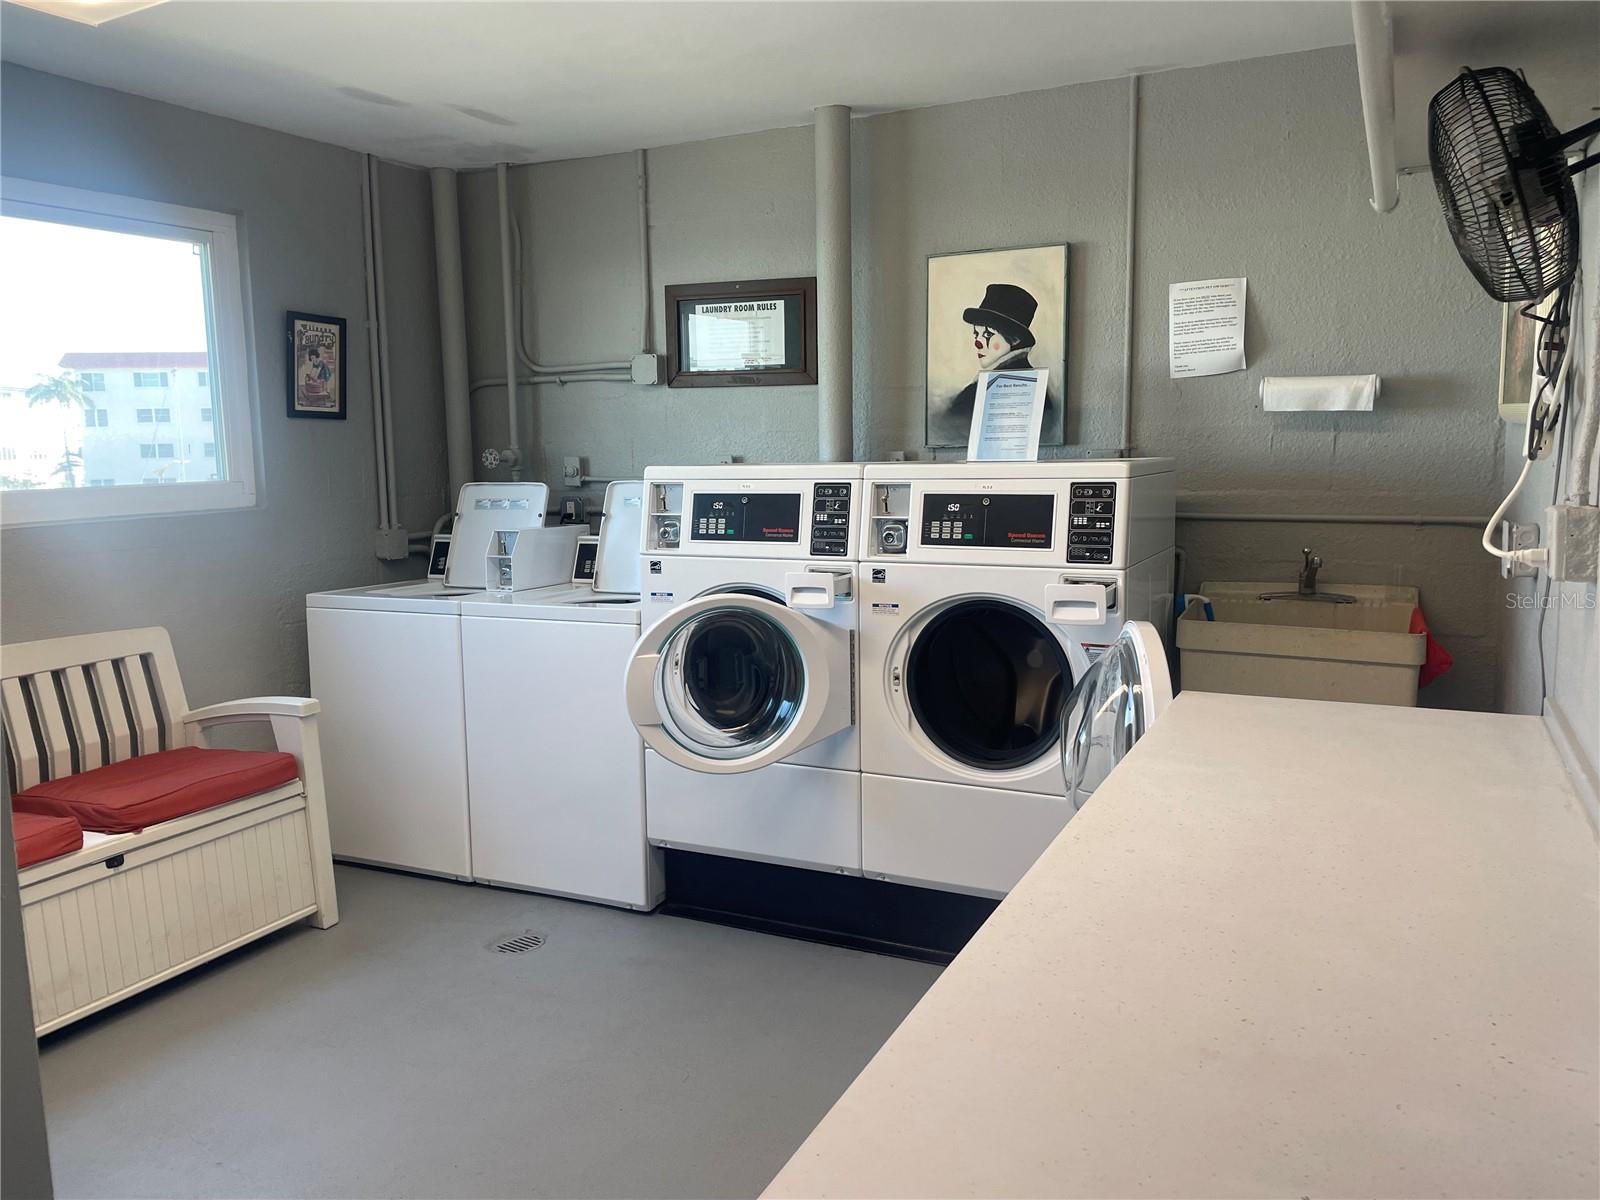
(745, 517)
(1018, 522)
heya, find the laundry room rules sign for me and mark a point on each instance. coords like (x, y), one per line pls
(736, 335)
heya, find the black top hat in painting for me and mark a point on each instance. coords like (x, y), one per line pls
(1008, 310)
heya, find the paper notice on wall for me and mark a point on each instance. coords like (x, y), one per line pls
(1205, 327)
(742, 335)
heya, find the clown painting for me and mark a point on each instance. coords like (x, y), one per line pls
(989, 311)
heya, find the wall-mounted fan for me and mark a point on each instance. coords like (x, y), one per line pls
(1501, 170)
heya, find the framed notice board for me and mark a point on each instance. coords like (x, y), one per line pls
(750, 333)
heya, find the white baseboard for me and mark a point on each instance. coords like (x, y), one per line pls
(1582, 772)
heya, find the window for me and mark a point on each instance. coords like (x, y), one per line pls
(205, 415)
(211, 450)
(166, 305)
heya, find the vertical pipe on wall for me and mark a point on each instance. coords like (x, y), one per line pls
(508, 305)
(385, 396)
(1374, 30)
(1125, 445)
(374, 363)
(645, 339)
(452, 328)
(834, 363)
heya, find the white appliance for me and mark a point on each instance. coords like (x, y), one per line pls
(556, 769)
(742, 683)
(386, 665)
(986, 590)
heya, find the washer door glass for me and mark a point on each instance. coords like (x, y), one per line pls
(1117, 699)
(730, 683)
(986, 680)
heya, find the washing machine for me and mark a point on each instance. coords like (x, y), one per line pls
(386, 665)
(555, 767)
(742, 684)
(986, 590)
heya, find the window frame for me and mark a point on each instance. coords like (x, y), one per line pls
(229, 366)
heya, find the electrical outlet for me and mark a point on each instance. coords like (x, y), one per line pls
(1516, 536)
(574, 510)
(572, 471)
(1574, 542)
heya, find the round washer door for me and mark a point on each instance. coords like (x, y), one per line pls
(1115, 702)
(985, 679)
(731, 682)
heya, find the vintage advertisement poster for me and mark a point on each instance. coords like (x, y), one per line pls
(316, 366)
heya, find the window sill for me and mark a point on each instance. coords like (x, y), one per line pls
(55, 505)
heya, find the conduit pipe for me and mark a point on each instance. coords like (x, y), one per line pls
(508, 307)
(619, 370)
(834, 361)
(452, 328)
(1420, 519)
(645, 331)
(374, 362)
(385, 395)
(1374, 30)
(1126, 444)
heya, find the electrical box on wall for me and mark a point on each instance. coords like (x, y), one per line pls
(646, 368)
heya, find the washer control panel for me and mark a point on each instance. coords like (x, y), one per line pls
(745, 517)
(830, 519)
(1092, 522)
(1002, 519)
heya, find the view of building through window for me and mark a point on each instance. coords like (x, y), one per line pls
(105, 379)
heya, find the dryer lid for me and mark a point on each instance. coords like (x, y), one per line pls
(1115, 702)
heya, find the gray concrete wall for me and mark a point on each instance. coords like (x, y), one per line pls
(1563, 680)
(1255, 168)
(230, 586)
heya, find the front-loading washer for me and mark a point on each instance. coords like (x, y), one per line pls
(987, 589)
(742, 684)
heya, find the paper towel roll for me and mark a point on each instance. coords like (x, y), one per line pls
(1319, 393)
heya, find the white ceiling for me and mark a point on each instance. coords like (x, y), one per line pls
(453, 83)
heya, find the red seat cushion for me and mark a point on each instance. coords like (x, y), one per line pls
(152, 788)
(39, 837)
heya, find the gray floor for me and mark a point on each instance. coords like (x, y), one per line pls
(394, 1055)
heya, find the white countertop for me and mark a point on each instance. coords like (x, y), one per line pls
(1290, 948)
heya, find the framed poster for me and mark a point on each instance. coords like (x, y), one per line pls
(751, 333)
(995, 310)
(316, 366)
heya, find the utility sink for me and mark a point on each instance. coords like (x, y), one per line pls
(1362, 651)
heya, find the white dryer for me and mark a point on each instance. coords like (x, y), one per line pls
(986, 590)
(742, 683)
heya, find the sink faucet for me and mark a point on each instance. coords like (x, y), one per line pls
(1306, 589)
(1308, 572)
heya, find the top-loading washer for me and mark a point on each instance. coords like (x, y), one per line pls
(386, 666)
(986, 590)
(555, 767)
(742, 683)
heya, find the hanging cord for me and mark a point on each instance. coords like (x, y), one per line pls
(1544, 416)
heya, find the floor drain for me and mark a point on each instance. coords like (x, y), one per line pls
(518, 943)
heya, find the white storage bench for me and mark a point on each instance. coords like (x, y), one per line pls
(130, 910)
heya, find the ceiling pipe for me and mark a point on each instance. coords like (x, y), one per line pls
(452, 328)
(834, 361)
(1374, 29)
(1130, 228)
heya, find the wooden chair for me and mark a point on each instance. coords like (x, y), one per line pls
(130, 910)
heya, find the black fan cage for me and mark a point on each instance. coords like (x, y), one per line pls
(1503, 182)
